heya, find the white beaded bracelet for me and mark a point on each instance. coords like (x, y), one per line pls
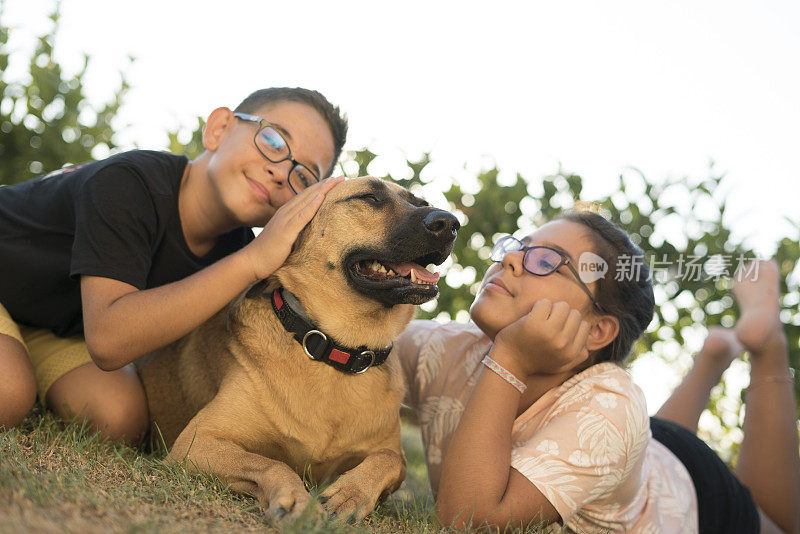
(504, 373)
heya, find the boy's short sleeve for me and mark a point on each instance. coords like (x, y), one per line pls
(115, 227)
(583, 454)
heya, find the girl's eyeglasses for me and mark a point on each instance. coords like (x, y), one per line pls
(539, 260)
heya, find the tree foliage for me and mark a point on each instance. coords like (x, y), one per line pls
(45, 120)
(191, 148)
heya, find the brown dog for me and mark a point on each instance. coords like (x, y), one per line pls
(258, 405)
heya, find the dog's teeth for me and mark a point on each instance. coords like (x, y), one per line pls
(382, 269)
(413, 277)
(392, 273)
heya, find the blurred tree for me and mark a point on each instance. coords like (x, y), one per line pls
(193, 147)
(45, 120)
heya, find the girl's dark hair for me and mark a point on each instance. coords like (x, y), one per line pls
(336, 121)
(626, 290)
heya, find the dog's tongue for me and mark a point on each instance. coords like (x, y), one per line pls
(420, 273)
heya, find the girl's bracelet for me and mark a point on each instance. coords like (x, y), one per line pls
(504, 373)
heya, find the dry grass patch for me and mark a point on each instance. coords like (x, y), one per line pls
(61, 478)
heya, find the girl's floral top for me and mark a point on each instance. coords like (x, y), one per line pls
(586, 445)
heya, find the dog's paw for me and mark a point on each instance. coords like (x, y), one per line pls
(288, 502)
(349, 499)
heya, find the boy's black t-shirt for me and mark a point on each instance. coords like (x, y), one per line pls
(116, 218)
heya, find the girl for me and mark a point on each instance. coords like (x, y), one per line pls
(527, 416)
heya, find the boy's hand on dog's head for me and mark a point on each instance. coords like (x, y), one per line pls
(267, 252)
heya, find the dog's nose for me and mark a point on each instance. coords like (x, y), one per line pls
(441, 223)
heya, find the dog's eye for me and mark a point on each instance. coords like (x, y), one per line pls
(371, 198)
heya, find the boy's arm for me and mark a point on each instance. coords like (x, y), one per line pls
(122, 323)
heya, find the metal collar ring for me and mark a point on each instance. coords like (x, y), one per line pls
(372, 360)
(305, 337)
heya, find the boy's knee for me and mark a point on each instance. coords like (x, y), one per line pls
(17, 386)
(16, 400)
(114, 403)
(121, 420)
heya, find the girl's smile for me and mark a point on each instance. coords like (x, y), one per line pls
(496, 285)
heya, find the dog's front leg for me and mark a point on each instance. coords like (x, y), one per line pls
(355, 493)
(209, 444)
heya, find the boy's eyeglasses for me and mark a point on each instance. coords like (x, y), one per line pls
(539, 260)
(274, 147)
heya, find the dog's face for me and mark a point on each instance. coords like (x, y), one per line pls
(378, 238)
(398, 235)
(367, 248)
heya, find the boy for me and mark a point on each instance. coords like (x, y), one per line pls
(107, 261)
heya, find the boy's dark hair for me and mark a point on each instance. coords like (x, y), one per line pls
(337, 122)
(627, 296)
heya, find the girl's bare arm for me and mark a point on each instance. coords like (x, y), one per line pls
(477, 484)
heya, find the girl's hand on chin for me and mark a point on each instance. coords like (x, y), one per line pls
(550, 339)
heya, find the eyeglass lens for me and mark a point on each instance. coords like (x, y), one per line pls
(542, 261)
(272, 144)
(300, 178)
(504, 246)
(537, 260)
(274, 147)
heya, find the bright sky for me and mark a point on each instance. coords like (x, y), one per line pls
(595, 85)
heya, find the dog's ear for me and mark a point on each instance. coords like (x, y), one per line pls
(257, 290)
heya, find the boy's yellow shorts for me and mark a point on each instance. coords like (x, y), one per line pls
(52, 356)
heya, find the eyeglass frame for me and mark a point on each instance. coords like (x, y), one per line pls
(565, 260)
(263, 123)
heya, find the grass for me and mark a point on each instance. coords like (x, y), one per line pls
(57, 477)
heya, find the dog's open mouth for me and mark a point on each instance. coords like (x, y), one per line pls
(391, 280)
(384, 271)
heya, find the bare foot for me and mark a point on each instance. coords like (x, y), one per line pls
(759, 324)
(720, 348)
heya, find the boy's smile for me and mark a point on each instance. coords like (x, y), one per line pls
(261, 192)
(249, 186)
